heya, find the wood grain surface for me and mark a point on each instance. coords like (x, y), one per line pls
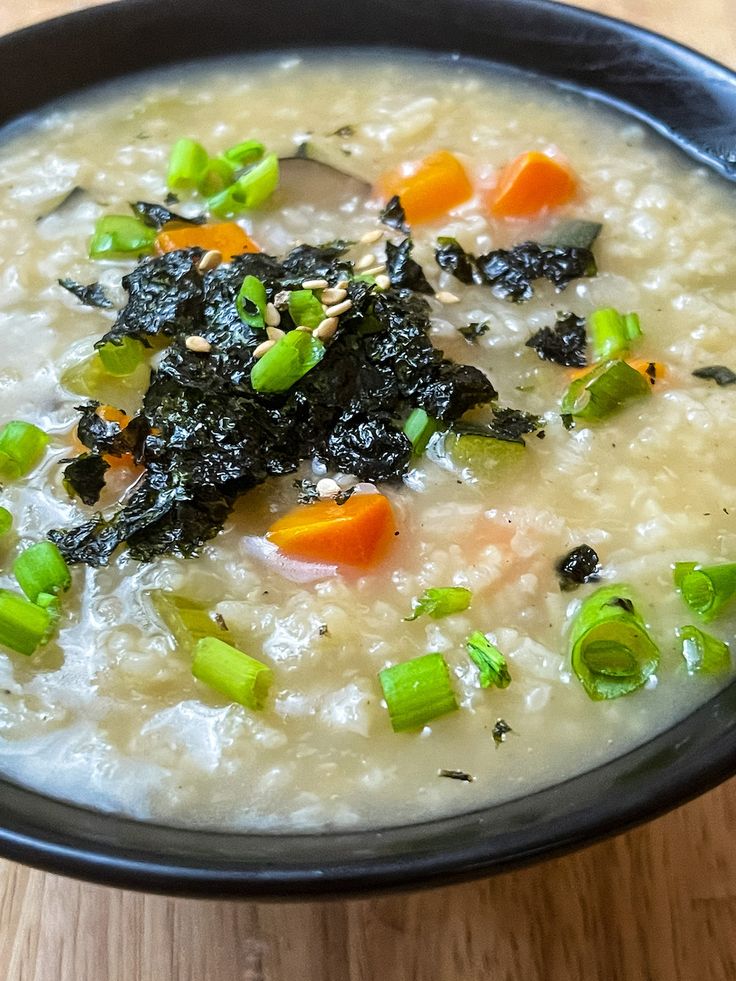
(656, 904)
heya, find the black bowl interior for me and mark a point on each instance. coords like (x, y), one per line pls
(684, 96)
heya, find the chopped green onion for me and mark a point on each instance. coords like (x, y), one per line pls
(6, 521)
(89, 377)
(604, 390)
(218, 175)
(187, 165)
(21, 447)
(244, 154)
(483, 456)
(118, 236)
(305, 309)
(419, 428)
(489, 660)
(440, 602)
(611, 332)
(187, 620)
(417, 691)
(51, 603)
(612, 653)
(249, 190)
(231, 672)
(291, 357)
(706, 589)
(703, 653)
(23, 626)
(41, 569)
(251, 303)
(122, 357)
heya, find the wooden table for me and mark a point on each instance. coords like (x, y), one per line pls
(656, 904)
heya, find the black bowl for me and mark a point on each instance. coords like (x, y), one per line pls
(687, 98)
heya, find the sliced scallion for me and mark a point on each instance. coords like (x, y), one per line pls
(187, 165)
(417, 691)
(441, 601)
(187, 620)
(122, 357)
(604, 390)
(251, 303)
(703, 653)
(484, 456)
(706, 589)
(490, 662)
(231, 672)
(41, 568)
(24, 627)
(218, 175)
(612, 654)
(6, 521)
(611, 332)
(119, 236)
(305, 309)
(249, 190)
(21, 447)
(244, 154)
(291, 357)
(419, 428)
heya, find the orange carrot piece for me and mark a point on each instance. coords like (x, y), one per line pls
(437, 184)
(653, 370)
(226, 237)
(357, 532)
(530, 183)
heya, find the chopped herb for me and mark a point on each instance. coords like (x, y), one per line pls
(456, 775)
(156, 215)
(120, 237)
(393, 215)
(187, 620)
(403, 271)
(718, 373)
(305, 309)
(611, 332)
(706, 589)
(21, 447)
(92, 295)
(703, 653)
(500, 730)
(40, 568)
(291, 357)
(453, 258)
(440, 601)
(564, 343)
(24, 626)
(85, 477)
(231, 672)
(573, 233)
(471, 332)
(605, 389)
(491, 663)
(419, 428)
(251, 303)
(417, 691)
(6, 521)
(579, 566)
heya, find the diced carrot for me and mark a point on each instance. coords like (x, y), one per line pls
(357, 532)
(226, 237)
(529, 183)
(653, 370)
(435, 186)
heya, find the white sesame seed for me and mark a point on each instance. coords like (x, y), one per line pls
(199, 344)
(281, 299)
(304, 329)
(338, 308)
(273, 317)
(367, 260)
(382, 281)
(327, 329)
(334, 295)
(327, 487)
(370, 237)
(375, 270)
(274, 333)
(342, 284)
(263, 348)
(315, 284)
(210, 260)
(444, 297)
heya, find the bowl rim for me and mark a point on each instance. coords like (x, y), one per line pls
(687, 759)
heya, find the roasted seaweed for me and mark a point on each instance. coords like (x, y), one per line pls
(85, 477)
(156, 215)
(92, 295)
(718, 373)
(564, 343)
(393, 215)
(403, 271)
(579, 566)
(453, 258)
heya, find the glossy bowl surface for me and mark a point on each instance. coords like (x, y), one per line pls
(684, 96)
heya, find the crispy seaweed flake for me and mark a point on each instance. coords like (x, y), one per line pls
(456, 775)
(511, 272)
(564, 343)
(403, 271)
(92, 295)
(579, 566)
(84, 477)
(718, 373)
(471, 332)
(500, 730)
(393, 216)
(156, 215)
(453, 258)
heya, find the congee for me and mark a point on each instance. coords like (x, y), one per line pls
(366, 441)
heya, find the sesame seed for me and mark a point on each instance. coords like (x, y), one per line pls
(273, 317)
(210, 260)
(304, 329)
(326, 487)
(338, 308)
(382, 281)
(199, 344)
(263, 348)
(281, 299)
(334, 295)
(326, 329)
(444, 297)
(274, 333)
(370, 237)
(342, 284)
(375, 270)
(315, 284)
(367, 260)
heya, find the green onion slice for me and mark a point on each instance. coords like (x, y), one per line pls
(703, 653)
(489, 660)
(231, 672)
(187, 165)
(119, 236)
(218, 175)
(187, 620)
(41, 569)
(440, 602)
(21, 447)
(244, 154)
(251, 303)
(419, 428)
(611, 332)
(249, 191)
(24, 627)
(604, 390)
(291, 357)
(305, 309)
(612, 653)
(417, 691)
(706, 589)
(6, 521)
(122, 357)
(484, 456)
